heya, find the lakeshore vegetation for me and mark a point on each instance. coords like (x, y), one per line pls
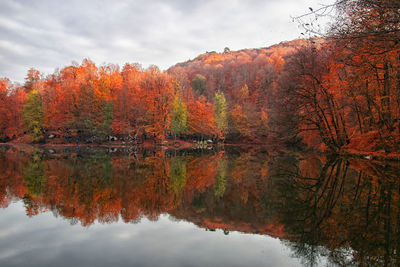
(336, 92)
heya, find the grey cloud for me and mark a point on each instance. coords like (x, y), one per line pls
(50, 34)
(44, 240)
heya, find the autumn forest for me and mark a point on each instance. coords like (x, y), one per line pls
(338, 92)
(284, 155)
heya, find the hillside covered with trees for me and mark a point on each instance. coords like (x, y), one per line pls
(340, 92)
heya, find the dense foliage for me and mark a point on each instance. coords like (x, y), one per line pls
(337, 92)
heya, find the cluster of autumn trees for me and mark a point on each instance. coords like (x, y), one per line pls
(318, 205)
(216, 95)
(94, 102)
(246, 79)
(339, 92)
(345, 90)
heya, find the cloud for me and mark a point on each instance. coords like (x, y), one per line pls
(50, 34)
(45, 240)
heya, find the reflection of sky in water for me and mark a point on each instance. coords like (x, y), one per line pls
(310, 203)
(44, 240)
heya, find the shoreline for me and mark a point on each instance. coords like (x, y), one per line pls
(366, 155)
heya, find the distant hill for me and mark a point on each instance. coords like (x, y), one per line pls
(248, 79)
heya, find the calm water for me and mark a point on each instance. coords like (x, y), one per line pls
(100, 207)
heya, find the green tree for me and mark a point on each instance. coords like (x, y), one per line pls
(199, 83)
(104, 129)
(179, 120)
(178, 174)
(33, 115)
(34, 175)
(220, 179)
(220, 106)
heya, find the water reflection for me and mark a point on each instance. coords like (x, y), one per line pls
(345, 210)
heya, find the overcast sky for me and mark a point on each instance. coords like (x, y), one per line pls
(50, 34)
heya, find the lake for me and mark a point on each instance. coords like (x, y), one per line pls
(77, 206)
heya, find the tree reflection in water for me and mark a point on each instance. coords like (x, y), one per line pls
(346, 209)
(343, 208)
